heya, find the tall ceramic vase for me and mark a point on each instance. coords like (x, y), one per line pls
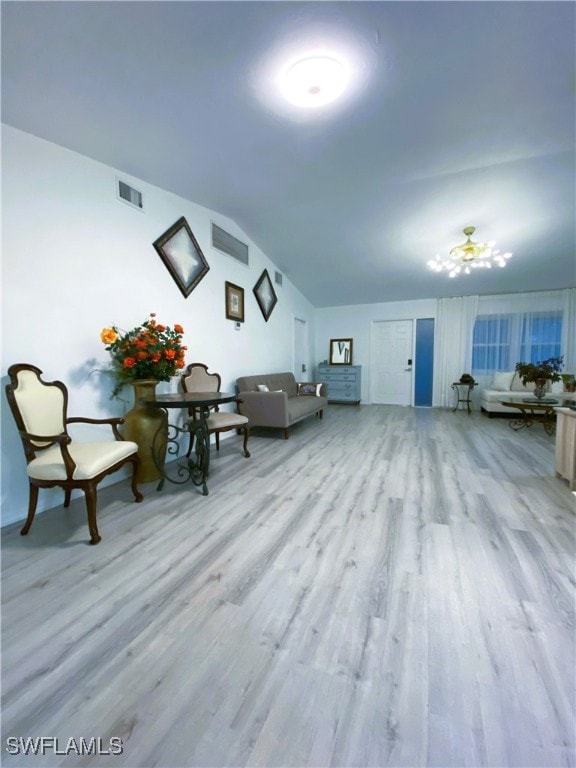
(148, 427)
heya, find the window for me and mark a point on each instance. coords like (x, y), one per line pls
(541, 336)
(491, 343)
(500, 341)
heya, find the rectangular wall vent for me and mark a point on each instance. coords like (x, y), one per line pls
(229, 244)
(129, 195)
(278, 278)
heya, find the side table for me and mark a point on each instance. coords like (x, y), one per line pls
(463, 390)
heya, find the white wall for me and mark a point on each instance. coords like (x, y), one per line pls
(355, 322)
(75, 259)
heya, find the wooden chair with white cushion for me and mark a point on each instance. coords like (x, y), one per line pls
(53, 458)
(197, 379)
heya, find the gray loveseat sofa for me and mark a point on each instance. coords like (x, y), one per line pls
(281, 406)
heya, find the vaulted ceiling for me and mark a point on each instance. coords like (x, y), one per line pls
(460, 113)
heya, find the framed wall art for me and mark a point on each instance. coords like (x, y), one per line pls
(234, 302)
(265, 294)
(183, 257)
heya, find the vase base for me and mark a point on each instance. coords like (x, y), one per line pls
(148, 428)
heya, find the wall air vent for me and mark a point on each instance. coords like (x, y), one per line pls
(278, 278)
(129, 195)
(229, 244)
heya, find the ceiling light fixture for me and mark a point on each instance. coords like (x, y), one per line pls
(469, 255)
(314, 81)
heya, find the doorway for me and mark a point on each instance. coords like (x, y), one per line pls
(391, 368)
(301, 354)
(424, 362)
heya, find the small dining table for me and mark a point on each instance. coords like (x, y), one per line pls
(197, 462)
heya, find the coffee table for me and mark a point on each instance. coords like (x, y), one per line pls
(533, 410)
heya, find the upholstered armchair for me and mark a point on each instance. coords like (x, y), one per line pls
(197, 379)
(53, 458)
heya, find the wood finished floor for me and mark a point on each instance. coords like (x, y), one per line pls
(390, 587)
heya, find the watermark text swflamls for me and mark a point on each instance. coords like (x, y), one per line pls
(52, 745)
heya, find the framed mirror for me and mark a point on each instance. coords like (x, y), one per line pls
(180, 252)
(265, 294)
(340, 351)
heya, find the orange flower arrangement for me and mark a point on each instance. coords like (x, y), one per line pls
(149, 351)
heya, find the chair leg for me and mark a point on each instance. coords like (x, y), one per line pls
(33, 500)
(286, 433)
(217, 436)
(67, 496)
(135, 463)
(245, 445)
(90, 494)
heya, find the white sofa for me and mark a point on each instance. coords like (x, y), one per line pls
(508, 386)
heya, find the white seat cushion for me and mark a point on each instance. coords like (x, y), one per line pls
(224, 419)
(90, 458)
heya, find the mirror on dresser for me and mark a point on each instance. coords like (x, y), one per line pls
(340, 351)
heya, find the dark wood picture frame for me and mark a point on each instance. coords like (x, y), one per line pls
(265, 294)
(340, 351)
(234, 302)
(182, 256)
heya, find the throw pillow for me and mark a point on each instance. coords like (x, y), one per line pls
(557, 387)
(262, 388)
(309, 389)
(517, 385)
(502, 381)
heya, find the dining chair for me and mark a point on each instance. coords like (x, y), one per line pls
(53, 458)
(197, 379)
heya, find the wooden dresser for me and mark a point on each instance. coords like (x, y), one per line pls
(565, 445)
(344, 382)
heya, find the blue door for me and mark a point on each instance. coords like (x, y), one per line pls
(424, 361)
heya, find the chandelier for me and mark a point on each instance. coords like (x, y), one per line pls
(469, 255)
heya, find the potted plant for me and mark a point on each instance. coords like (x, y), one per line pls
(569, 382)
(149, 351)
(540, 373)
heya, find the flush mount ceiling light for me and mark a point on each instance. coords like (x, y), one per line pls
(314, 81)
(469, 255)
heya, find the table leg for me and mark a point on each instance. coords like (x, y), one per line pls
(196, 469)
(548, 422)
(200, 467)
(517, 424)
(529, 417)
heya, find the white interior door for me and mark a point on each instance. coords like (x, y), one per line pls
(391, 367)
(301, 355)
